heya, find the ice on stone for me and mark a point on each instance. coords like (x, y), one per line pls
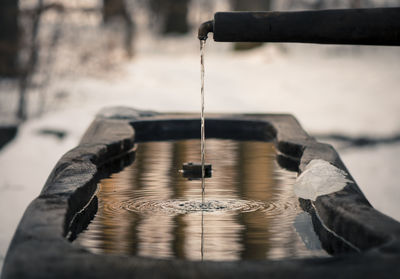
(319, 178)
(304, 228)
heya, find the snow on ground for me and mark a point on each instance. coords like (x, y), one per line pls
(376, 170)
(350, 90)
(26, 162)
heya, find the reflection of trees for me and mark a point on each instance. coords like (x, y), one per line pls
(178, 186)
(255, 170)
(154, 232)
(255, 182)
(179, 155)
(243, 170)
(115, 229)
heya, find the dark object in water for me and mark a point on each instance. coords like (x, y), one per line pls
(193, 170)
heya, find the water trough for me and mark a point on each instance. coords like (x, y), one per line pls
(363, 242)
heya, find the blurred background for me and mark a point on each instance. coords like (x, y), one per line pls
(61, 61)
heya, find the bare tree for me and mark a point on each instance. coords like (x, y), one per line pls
(116, 9)
(171, 15)
(9, 38)
(29, 68)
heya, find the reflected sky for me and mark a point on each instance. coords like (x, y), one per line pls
(149, 209)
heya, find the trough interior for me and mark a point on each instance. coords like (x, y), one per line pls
(250, 212)
(160, 130)
(234, 131)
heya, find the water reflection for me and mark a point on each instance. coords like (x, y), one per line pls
(150, 210)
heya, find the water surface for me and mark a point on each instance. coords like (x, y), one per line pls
(250, 212)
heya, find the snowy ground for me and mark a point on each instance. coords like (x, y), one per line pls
(330, 89)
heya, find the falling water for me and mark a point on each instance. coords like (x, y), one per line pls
(203, 144)
(202, 236)
(203, 141)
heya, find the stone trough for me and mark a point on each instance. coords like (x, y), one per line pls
(363, 242)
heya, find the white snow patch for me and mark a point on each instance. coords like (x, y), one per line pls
(376, 170)
(319, 178)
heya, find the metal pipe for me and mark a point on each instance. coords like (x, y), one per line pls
(378, 26)
(204, 29)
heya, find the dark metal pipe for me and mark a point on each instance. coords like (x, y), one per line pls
(379, 26)
(204, 29)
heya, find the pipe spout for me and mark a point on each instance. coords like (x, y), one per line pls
(204, 29)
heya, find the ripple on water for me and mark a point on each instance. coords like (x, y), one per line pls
(177, 206)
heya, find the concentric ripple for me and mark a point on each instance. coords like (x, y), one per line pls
(172, 206)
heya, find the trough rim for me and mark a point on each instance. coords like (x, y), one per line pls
(40, 249)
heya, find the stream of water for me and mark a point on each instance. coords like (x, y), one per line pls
(203, 136)
(203, 144)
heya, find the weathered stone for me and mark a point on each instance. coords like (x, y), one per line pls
(364, 242)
